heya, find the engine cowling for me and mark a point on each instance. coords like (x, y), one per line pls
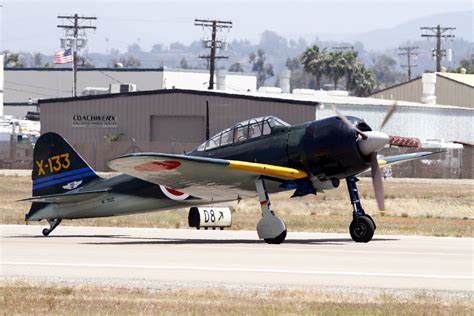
(331, 149)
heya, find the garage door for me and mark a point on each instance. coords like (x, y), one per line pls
(186, 129)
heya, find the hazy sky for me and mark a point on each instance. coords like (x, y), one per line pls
(32, 25)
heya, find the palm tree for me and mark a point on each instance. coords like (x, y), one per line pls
(362, 82)
(335, 66)
(351, 66)
(313, 60)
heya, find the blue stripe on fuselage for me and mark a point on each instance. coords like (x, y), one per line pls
(60, 175)
(66, 179)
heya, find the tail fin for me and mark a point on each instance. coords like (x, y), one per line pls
(57, 167)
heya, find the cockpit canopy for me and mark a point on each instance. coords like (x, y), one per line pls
(243, 131)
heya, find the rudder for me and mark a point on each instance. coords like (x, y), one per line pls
(57, 167)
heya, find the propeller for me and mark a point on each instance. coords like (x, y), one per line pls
(371, 142)
(349, 124)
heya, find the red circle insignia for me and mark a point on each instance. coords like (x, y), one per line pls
(158, 165)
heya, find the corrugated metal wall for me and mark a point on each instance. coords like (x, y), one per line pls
(424, 122)
(135, 113)
(448, 92)
(410, 91)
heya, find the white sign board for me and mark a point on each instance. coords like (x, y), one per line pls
(94, 120)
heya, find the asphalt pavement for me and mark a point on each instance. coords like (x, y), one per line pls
(235, 258)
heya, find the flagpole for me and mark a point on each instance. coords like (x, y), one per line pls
(74, 68)
(74, 57)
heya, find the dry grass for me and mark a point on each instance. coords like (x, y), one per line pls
(414, 206)
(39, 298)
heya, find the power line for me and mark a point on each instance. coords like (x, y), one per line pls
(72, 33)
(439, 33)
(213, 44)
(408, 52)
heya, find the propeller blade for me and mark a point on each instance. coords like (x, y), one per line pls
(377, 182)
(349, 124)
(388, 115)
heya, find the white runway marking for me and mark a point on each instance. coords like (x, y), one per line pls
(217, 269)
(282, 248)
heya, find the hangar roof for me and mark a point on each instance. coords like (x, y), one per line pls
(311, 99)
(467, 79)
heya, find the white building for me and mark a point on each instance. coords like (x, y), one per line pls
(25, 86)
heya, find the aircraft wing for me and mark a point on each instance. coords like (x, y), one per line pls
(392, 160)
(201, 177)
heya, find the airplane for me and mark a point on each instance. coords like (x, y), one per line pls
(252, 158)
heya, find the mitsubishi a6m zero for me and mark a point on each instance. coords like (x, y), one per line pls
(252, 158)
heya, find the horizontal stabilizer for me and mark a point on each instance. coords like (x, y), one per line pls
(66, 197)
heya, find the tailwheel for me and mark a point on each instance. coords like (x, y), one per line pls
(277, 240)
(53, 223)
(362, 229)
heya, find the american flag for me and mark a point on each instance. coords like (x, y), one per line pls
(63, 57)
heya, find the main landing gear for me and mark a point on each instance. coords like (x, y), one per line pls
(363, 226)
(270, 228)
(53, 223)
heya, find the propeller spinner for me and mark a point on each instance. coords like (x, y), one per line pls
(369, 144)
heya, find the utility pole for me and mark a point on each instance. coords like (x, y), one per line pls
(408, 52)
(213, 44)
(72, 36)
(439, 33)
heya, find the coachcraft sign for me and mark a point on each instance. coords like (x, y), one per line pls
(94, 120)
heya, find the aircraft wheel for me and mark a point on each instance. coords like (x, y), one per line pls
(46, 232)
(277, 240)
(362, 229)
(372, 220)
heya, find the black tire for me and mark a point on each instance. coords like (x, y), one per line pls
(362, 229)
(373, 222)
(277, 240)
(46, 232)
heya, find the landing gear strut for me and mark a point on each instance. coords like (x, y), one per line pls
(53, 223)
(270, 228)
(363, 226)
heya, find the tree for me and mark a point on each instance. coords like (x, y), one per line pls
(183, 64)
(299, 78)
(314, 61)
(134, 49)
(273, 42)
(362, 81)
(293, 63)
(156, 49)
(236, 67)
(264, 70)
(384, 71)
(177, 47)
(335, 66)
(351, 66)
(37, 60)
(127, 62)
(12, 60)
(468, 64)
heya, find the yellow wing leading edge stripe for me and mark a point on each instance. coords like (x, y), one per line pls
(270, 170)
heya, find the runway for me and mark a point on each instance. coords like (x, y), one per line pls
(235, 258)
